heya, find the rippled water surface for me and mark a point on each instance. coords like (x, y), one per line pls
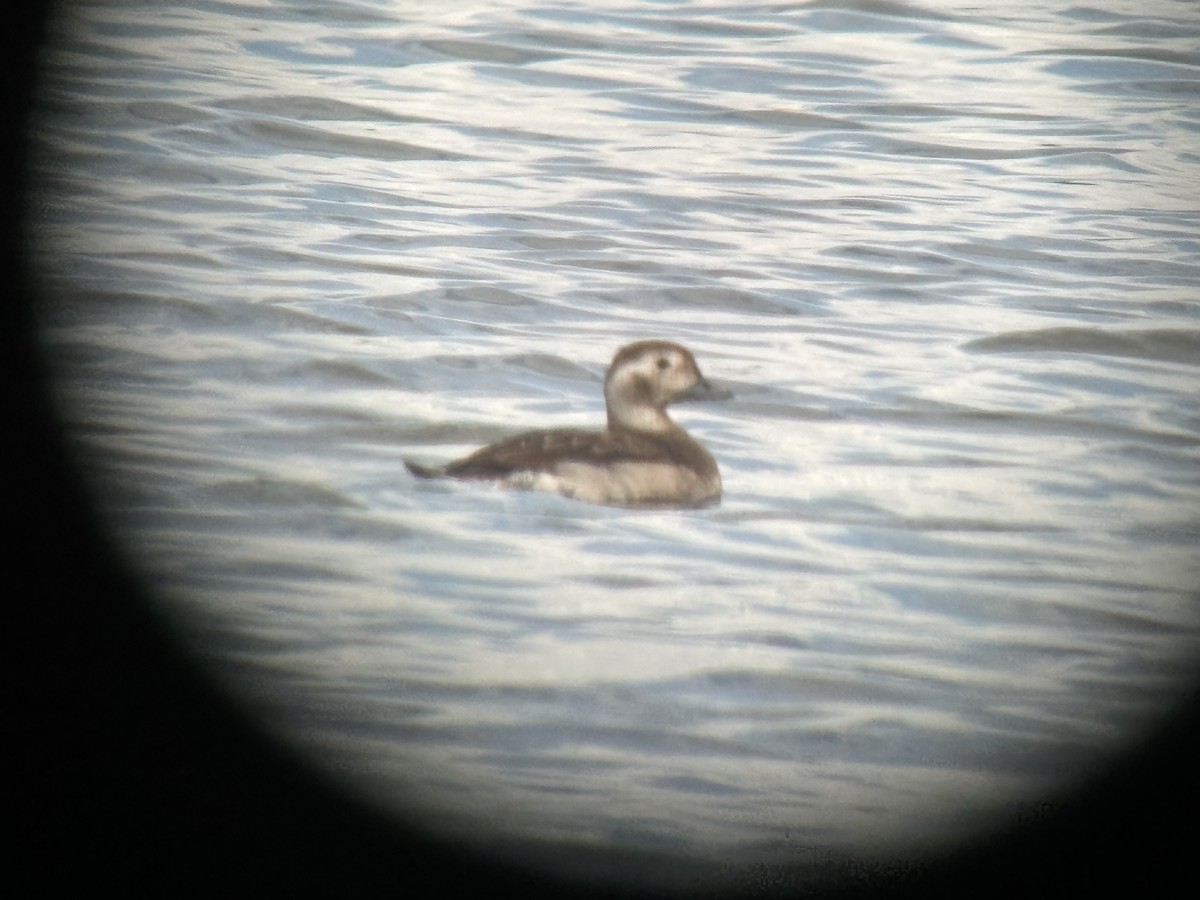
(944, 256)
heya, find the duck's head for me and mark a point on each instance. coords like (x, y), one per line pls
(644, 377)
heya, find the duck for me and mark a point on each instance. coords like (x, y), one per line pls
(641, 459)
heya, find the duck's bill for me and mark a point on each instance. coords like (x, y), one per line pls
(705, 390)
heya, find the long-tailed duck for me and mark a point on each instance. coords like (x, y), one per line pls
(642, 458)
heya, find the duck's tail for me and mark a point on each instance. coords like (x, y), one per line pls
(424, 471)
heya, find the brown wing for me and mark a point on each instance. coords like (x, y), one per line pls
(539, 451)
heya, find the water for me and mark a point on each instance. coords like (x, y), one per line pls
(945, 259)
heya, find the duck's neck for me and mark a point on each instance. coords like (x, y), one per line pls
(642, 418)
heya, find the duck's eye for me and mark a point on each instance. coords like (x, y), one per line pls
(663, 362)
